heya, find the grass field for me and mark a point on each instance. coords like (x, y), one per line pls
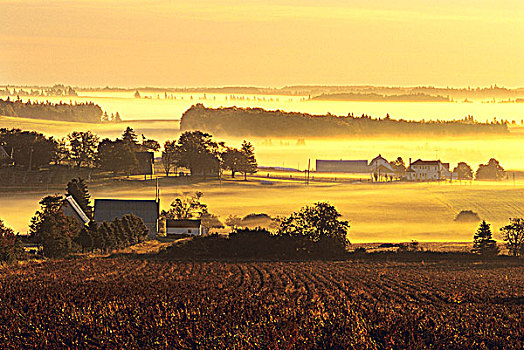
(118, 302)
(385, 212)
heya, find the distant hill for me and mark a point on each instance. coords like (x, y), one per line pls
(417, 97)
(235, 121)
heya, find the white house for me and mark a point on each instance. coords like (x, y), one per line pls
(185, 227)
(428, 170)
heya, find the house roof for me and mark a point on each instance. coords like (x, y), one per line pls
(109, 209)
(77, 209)
(183, 223)
(377, 158)
(426, 162)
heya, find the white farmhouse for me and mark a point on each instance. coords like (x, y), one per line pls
(379, 168)
(185, 227)
(428, 170)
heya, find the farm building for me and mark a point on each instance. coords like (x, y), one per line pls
(428, 170)
(71, 208)
(380, 165)
(342, 166)
(185, 227)
(147, 210)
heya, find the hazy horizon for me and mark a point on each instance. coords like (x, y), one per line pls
(254, 43)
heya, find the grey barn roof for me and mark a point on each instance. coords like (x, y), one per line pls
(109, 209)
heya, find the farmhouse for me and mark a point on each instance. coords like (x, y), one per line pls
(342, 166)
(147, 210)
(428, 170)
(71, 208)
(184, 227)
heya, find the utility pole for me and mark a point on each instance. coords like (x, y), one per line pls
(308, 167)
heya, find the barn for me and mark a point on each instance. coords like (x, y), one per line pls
(147, 210)
(342, 166)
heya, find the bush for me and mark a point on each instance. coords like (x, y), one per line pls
(10, 246)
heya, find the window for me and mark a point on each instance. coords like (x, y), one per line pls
(189, 231)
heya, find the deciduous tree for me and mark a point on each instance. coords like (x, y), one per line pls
(513, 235)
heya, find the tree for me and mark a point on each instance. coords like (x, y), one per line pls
(83, 147)
(463, 171)
(149, 144)
(249, 162)
(29, 149)
(61, 151)
(490, 171)
(169, 156)
(187, 207)
(317, 222)
(198, 152)
(130, 137)
(233, 159)
(116, 156)
(399, 167)
(77, 188)
(137, 94)
(10, 245)
(483, 242)
(513, 235)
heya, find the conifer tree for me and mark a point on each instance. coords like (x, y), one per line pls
(483, 242)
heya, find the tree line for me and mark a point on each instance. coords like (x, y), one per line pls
(87, 112)
(194, 150)
(198, 152)
(236, 121)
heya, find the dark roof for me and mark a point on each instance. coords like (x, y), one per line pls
(109, 209)
(426, 162)
(184, 223)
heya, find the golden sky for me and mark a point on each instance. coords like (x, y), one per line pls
(263, 43)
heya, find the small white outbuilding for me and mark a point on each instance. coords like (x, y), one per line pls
(192, 227)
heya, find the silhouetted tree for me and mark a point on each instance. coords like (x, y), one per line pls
(187, 207)
(483, 242)
(83, 147)
(61, 152)
(233, 159)
(116, 156)
(463, 171)
(169, 156)
(399, 167)
(317, 222)
(513, 235)
(11, 248)
(249, 163)
(149, 144)
(28, 148)
(490, 171)
(54, 230)
(131, 138)
(198, 152)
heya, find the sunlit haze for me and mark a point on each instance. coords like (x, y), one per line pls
(264, 43)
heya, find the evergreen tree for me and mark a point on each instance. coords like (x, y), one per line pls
(130, 137)
(249, 163)
(77, 188)
(483, 242)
